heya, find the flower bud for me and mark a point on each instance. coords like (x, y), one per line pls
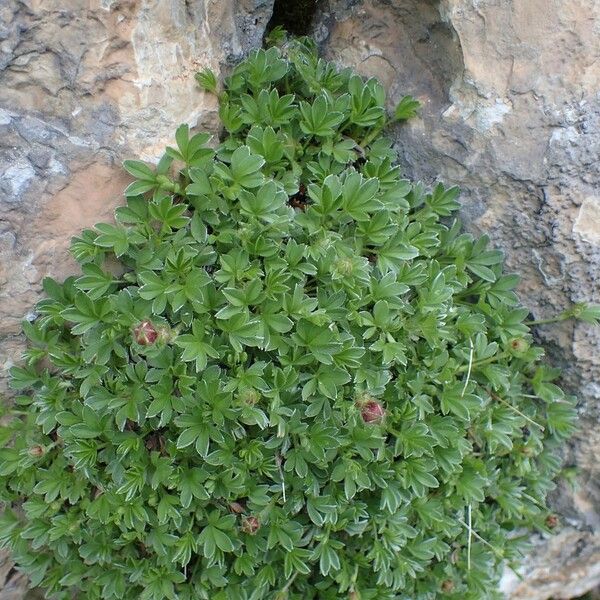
(236, 507)
(518, 345)
(447, 586)
(37, 451)
(354, 595)
(250, 525)
(344, 266)
(249, 396)
(372, 412)
(551, 521)
(145, 333)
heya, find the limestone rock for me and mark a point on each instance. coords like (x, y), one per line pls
(84, 85)
(511, 114)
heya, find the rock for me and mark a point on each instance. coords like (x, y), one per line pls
(12, 583)
(511, 114)
(578, 554)
(83, 86)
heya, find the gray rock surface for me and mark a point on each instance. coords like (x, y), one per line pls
(82, 86)
(511, 113)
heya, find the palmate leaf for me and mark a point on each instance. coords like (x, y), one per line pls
(266, 143)
(589, 313)
(463, 405)
(264, 67)
(321, 342)
(145, 178)
(207, 80)
(359, 196)
(318, 118)
(94, 281)
(192, 151)
(443, 201)
(169, 214)
(244, 169)
(86, 313)
(268, 199)
(407, 108)
(112, 236)
(195, 347)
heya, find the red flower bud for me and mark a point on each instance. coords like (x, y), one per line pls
(552, 521)
(145, 333)
(250, 525)
(372, 412)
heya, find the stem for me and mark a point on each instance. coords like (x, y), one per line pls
(371, 136)
(394, 432)
(291, 580)
(473, 532)
(496, 397)
(470, 538)
(563, 316)
(469, 369)
(485, 361)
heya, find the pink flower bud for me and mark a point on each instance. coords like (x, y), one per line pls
(37, 451)
(250, 525)
(145, 333)
(372, 412)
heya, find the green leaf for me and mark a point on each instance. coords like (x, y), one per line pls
(112, 236)
(443, 201)
(321, 342)
(589, 313)
(318, 118)
(139, 170)
(195, 347)
(94, 281)
(245, 168)
(407, 108)
(85, 313)
(359, 196)
(207, 80)
(462, 405)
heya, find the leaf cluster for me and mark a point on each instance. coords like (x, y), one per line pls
(289, 276)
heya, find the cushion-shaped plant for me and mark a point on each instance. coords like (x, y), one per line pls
(298, 379)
